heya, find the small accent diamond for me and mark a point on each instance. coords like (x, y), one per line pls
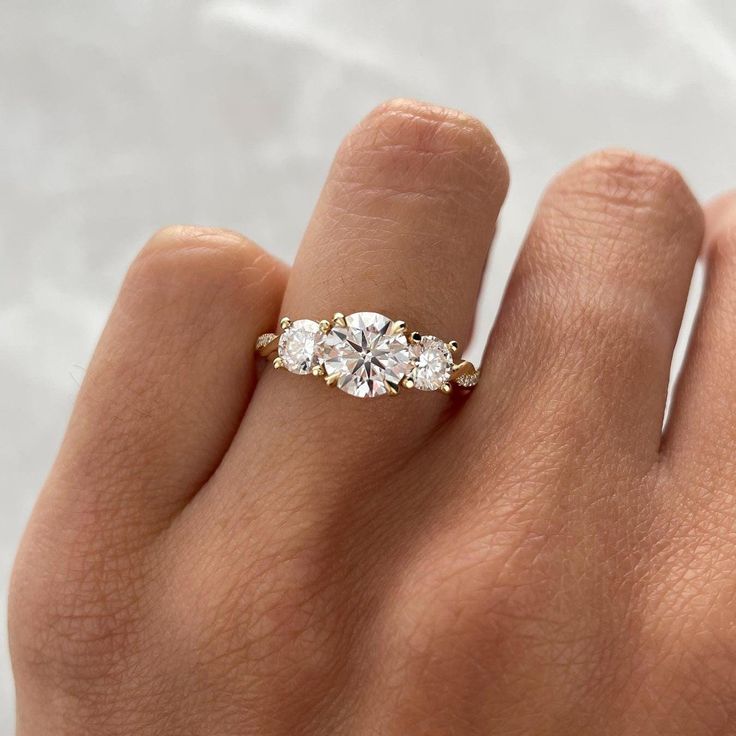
(264, 340)
(432, 363)
(468, 380)
(300, 346)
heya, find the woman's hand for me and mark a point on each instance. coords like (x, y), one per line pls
(215, 555)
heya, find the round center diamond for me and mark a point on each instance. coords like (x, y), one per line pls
(369, 358)
(300, 346)
(432, 363)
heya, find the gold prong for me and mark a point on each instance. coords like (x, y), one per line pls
(339, 319)
(332, 378)
(407, 382)
(398, 327)
(453, 346)
(278, 363)
(285, 323)
(318, 370)
(446, 388)
(325, 325)
(415, 337)
(464, 367)
(391, 389)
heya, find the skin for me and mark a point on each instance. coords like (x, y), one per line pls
(220, 553)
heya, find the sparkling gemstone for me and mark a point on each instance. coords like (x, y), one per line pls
(368, 358)
(468, 380)
(300, 346)
(264, 340)
(432, 363)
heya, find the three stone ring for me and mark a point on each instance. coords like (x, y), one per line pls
(366, 354)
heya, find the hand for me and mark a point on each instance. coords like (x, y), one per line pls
(215, 554)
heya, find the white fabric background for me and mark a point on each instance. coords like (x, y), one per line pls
(119, 116)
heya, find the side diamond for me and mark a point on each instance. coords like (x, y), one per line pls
(432, 363)
(300, 346)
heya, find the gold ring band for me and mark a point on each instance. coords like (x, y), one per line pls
(367, 354)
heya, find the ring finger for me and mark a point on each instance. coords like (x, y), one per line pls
(402, 228)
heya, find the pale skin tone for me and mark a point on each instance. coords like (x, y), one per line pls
(220, 553)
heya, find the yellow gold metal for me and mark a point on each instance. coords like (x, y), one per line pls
(391, 389)
(446, 388)
(269, 348)
(285, 323)
(318, 370)
(325, 325)
(332, 379)
(278, 363)
(415, 337)
(453, 346)
(398, 327)
(407, 382)
(339, 319)
(465, 374)
(463, 368)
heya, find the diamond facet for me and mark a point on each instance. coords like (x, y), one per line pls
(300, 346)
(432, 363)
(369, 357)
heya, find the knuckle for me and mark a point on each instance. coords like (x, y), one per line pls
(721, 235)
(70, 617)
(688, 642)
(411, 147)
(630, 165)
(205, 264)
(722, 245)
(463, 605)
(429, 128)
(265, 618)
(601, 229)
(183, 244)
(627, 182)
(692, 657)
(586, 319)
(729, 236)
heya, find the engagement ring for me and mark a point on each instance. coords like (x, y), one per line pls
(366, 354)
